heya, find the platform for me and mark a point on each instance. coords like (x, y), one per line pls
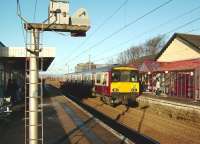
(64, 123)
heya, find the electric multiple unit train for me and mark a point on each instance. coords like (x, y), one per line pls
(113, 84)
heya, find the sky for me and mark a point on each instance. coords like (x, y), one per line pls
(73, 50)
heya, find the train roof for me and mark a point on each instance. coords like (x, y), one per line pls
(107, 68)
(116, 67)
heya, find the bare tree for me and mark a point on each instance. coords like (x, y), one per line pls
(122, 58)
(136, 52)
(152, 46)
(130, 55)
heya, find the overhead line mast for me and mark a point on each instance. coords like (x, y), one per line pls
(59, 21)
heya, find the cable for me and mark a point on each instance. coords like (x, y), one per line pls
(127, 25)
(179, 27)
(105, 57)
(193, 30)
(21, 21)
(106, 20)
(35, 9)
(132, 22)
(102, 24)
(19, 12)
(184, 25)
(175, 29)
(156, 27)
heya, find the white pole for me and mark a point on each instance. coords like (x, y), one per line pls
(33, 88)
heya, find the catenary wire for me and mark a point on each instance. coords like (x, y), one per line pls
(35, 9)
(154, 28)
(124, 27)
(175, 29)
(99, 27)
(21, 21)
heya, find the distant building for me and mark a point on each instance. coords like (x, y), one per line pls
(85, 67)
(89, 66)
(102, 65)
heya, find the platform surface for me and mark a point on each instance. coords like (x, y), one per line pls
(64, 123)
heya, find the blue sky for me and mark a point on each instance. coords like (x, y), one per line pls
(68, 49)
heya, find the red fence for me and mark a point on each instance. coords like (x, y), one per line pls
(180, 84)
(197, 84)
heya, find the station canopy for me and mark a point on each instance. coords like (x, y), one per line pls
(17, 56)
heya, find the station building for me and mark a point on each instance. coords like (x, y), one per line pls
(177, 67)
(13, 63)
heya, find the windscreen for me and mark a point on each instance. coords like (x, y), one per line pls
(124, 76)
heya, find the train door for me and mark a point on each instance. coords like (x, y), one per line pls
(98, 83)
(105, 79)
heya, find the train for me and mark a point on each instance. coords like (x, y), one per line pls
(113, 84)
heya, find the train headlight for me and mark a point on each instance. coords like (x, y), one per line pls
(134, 90)
(115, 89)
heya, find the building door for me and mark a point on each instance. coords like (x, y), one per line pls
(184, 85)
(197, 84)
(190, 85)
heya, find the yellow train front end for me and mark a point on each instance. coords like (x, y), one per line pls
(124, 86)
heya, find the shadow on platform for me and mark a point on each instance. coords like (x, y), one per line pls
(12, 129)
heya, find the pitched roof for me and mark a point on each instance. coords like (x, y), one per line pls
(179, 65)
(189, 39)
(192, 39)
(2, 45)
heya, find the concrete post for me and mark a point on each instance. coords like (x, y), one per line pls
(33, 88)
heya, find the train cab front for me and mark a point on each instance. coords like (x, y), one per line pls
(124, 86)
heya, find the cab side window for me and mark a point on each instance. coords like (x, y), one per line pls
(115, 76)
(134, 77)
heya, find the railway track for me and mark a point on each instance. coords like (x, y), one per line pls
(144, 120)
(131, 134)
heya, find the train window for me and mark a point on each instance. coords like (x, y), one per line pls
(116, 76)
(98, 78)
(134, 76)
(124, 76)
